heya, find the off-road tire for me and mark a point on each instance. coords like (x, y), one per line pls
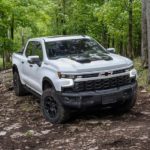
(18, 87)
(62, 114)
(126, 106)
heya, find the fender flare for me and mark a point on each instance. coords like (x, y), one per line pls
(15, 68)
(49, 81)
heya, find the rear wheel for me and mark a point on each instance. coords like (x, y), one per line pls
(52, 108)
(18, 87)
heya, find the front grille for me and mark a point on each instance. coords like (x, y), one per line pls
(90, 75)
(119, 71)
(101, 84)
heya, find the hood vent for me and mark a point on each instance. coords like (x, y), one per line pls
(89, 58)
(81, 59)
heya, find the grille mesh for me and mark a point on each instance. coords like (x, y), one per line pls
(102, 84)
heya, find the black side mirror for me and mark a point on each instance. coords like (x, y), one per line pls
(111, 50)
(34, 60)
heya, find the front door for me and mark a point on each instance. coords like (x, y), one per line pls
(32, 71)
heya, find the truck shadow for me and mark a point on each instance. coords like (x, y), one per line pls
(107, 114)
(78, 117)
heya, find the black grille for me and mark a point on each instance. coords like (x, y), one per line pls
(119, 71)
(102, 84)
(90, 75)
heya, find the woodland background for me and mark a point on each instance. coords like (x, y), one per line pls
(122, 24)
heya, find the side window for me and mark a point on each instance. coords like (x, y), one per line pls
(29, 49)
(34, 48)
(37, 50)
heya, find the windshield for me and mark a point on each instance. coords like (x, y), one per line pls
(64, 48)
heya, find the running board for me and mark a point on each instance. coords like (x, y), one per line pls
(32, 92)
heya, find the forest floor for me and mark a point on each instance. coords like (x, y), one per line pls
(23, 127)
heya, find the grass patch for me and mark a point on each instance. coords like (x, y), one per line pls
(142, 74)
(29, 133)
(26, 107)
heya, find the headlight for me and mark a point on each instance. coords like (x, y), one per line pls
(133, 73)
(67, 76)
(129, 69)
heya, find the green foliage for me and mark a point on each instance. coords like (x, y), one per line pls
(20, 20)
(115, 16)
(142, 74)
(105, 20)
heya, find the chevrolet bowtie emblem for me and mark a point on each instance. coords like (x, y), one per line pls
(106, 74)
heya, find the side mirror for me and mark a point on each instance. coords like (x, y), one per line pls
(111, 50)
(34, 60)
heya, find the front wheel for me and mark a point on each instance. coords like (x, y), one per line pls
(52, 108)
(126, 106)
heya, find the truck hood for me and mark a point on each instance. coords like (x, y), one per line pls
(73, 65)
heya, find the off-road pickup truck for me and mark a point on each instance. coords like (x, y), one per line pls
(71, 73)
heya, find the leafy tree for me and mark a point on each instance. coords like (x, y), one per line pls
(117, 17)
(113, 23)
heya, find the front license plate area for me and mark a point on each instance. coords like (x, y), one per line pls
(109, 99)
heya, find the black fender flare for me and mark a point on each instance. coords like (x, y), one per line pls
(49, 81)
(15, 68)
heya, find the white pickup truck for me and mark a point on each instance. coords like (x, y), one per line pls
(72, 73)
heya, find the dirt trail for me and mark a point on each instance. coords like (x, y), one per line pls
(22, 126)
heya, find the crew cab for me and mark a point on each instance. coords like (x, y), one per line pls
(71, 73)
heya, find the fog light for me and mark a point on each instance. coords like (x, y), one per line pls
(67, 83)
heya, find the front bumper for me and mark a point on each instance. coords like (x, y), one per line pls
(95, 98)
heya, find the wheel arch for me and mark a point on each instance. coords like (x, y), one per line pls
(47, 83)
(14, 68)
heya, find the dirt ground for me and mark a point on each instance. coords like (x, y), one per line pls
(23, 127)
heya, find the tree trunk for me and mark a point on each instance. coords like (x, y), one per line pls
(104, 35)
(3, 56)
(113, 42)
(57, 22)
(22, 38)
(108, 41)
(12, 27)
(130, 48)
(144, 47)
(139, 45)
(64, 16)
(121, 45)
(7, 51)
(124, 47)
(148, 36)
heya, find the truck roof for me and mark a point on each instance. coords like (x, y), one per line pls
(60, 37)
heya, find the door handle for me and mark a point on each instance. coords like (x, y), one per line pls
(22, 62)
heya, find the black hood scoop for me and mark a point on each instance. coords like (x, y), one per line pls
(91, 57)
(81, 59)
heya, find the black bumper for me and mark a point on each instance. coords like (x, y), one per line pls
(95, 98)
